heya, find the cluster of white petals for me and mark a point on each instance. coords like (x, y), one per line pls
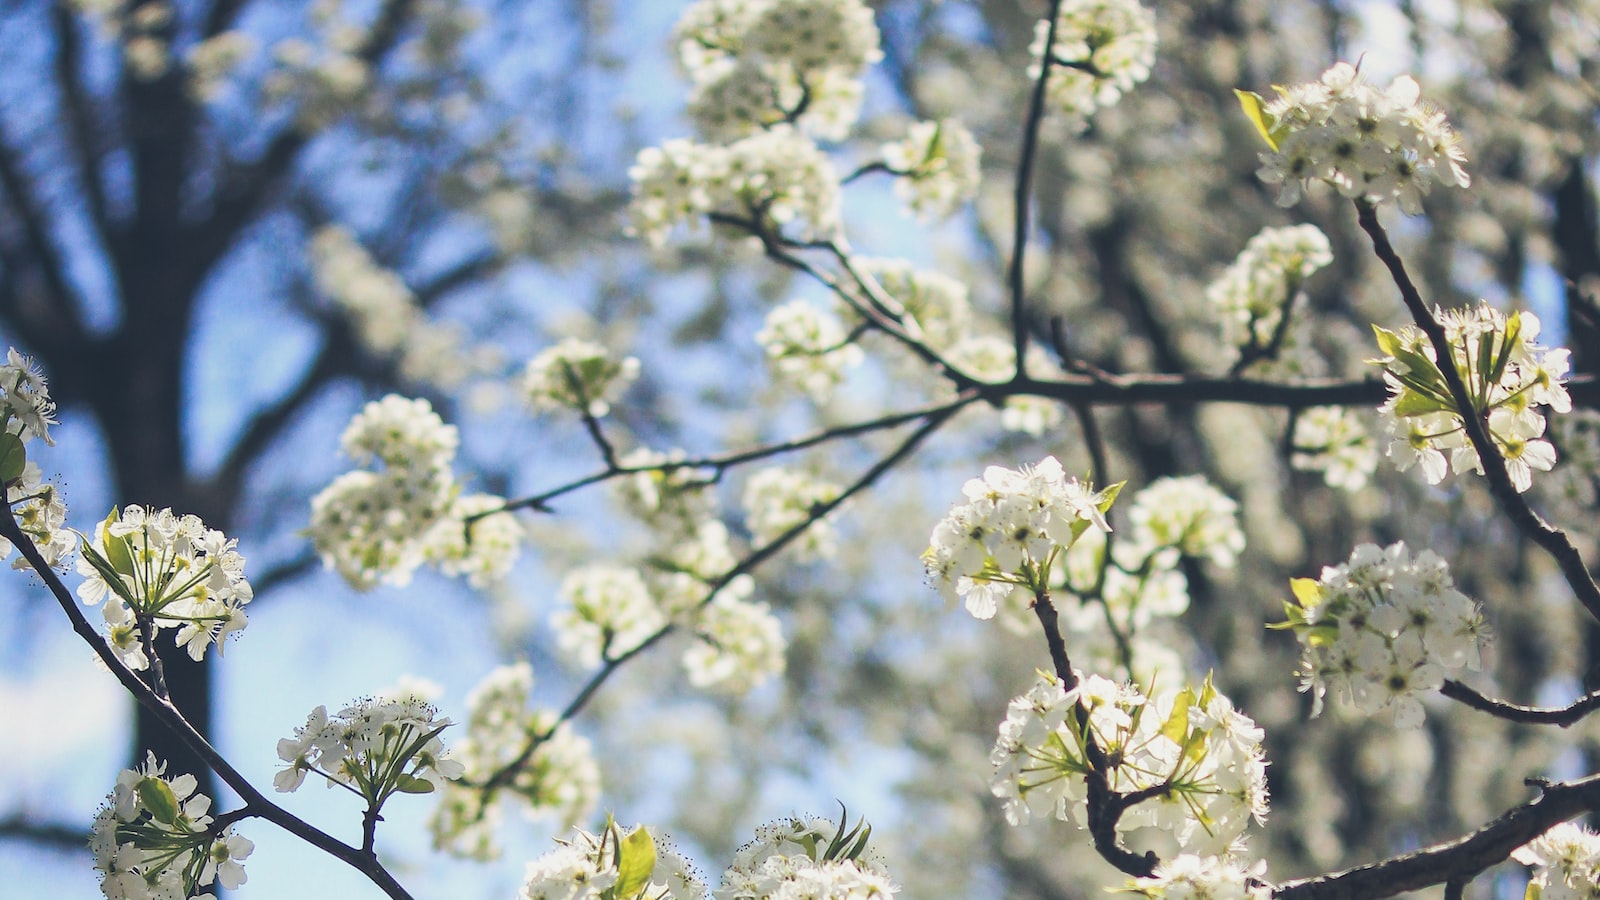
(387, 317)
(27, 412)
(154, 840)
(1185, 516)
(577, 374)
(739, 644)
(808, 347)
(1190, 877)
(937, 165)
(772, 178)
(560, 778)
(1198, 757)
(675, 498)
(778, 500)
(1102, 49)
(155, 571)
(1566, 863)
(587, 866)
(375, 746)
(1382, 628)
(933, 307)
(1004, 537)
(1373, 144)
(1250, 296)
(213, 61)
(607, 612)
(993, 358)
(1332, 440)
(379, 524)
(801, 859)
(1507, 376)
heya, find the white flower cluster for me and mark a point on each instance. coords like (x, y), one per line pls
(933, 306)
(577, 374)
(1506, 374)
(938, 167)
(778, 500)
(1185, 516)
(739, 645)
(1172, 518)
(153, 840)
(380, 524)
(808, 348)
(1102, 49)
(1190, 877)
(156, 570)
(675, 499)
(756, 63)
(612, 864)
(1375, 145)
(608, 612)
(375, 746)
(1249, 297)
(993, 358)
(801, 859)
(386, 316)
(1566, 861)
(1332, 440)
(325, 78)
(681, 574)
(1199, 757)
(560, 778)
(1005, 536)
(1382, 628)
(27, 412)
(212, 61)
(773, 177)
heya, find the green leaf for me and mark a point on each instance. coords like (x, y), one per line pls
(1109, 496)
(636, 860)
(13, 457)
(411, 784)
(1513, 337)
(1256, 111)
(1307, 592)
(1208, 691)
(1176, 728)
(157, 797)
(1533, 891)
(118, 553)
(1415, 404)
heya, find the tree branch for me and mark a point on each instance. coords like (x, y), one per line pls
(1531, 715)
(1023, 197)
(1551, 539)
(1457, 860)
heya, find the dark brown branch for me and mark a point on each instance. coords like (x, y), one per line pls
(45, 322)
(68, 59)
(1551, 539)
(1023, 196)
(1459, 860)
(67, 838)
(1532, 715)
(255, 803)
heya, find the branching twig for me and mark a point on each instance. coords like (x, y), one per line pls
(1530, 715)
(1023, 197)
(255, 803)
(1551, 539)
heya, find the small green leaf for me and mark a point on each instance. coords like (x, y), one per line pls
(13, 457)
(1415, 404)
(118, 553)
(157, 797)
(1208, 691)
(1307, 592)
(1176, 728)
(636, 860)
(1256, 111)
(411, 784)
(1513, 337)
(1533, 891)
(1109, 496)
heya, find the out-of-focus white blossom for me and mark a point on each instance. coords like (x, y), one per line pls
(1102, 49)
(1506, 374)
(808, 347)
(1382, 628)
(774, 177)
(587, 866)
(777, 500)
(1186, 516)
(607, 612)
(1332, 440)
(738, 645)
(937, 164)
(1190, 877)
(798, 859)
(560, 778)
(1249, 297)
(577, 374)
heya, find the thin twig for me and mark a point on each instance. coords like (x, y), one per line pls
(1022, 199)
(1563, 716)
(1551, 539)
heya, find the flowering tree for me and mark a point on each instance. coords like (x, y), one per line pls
(1219, 421)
